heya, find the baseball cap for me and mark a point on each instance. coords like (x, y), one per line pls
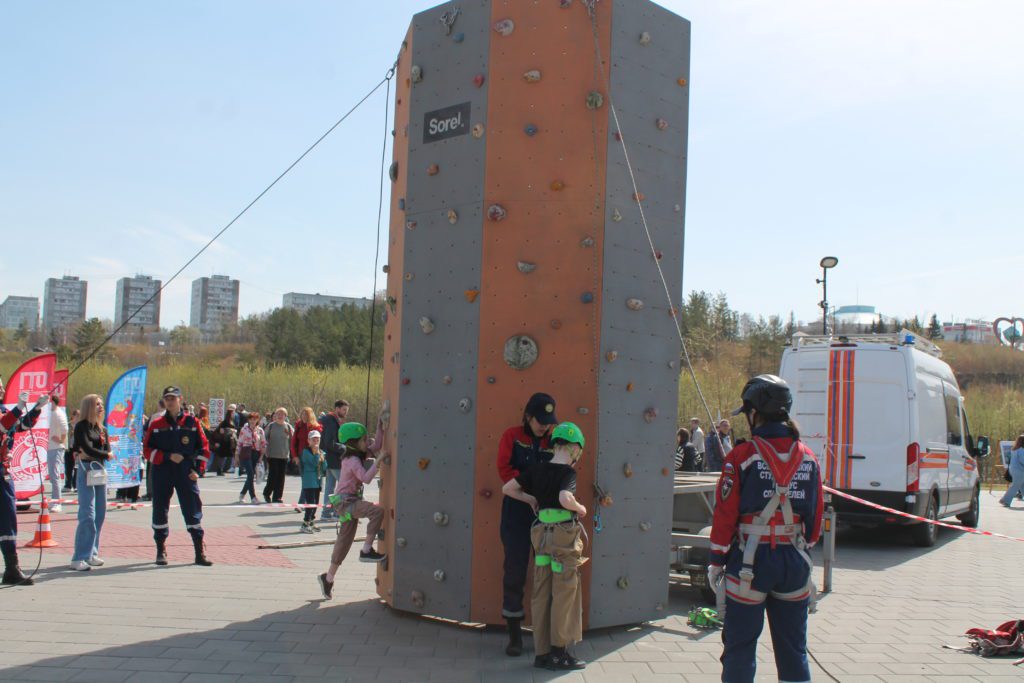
(232, 406)
(172, 391)
(313, 434)
(541, 407)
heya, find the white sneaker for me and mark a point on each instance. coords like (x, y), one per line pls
(241, 500)
(56, 507)
(95, 561)
(80, 566)
(253, 501)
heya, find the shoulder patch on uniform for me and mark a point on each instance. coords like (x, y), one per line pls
(727, 485)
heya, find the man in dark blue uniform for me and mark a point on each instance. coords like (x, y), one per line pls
(768, 508)
(178, 452)
(12, 422)
(520, 448)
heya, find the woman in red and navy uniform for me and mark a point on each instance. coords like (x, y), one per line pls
(11, 422)
(520, 448)
(768, 508)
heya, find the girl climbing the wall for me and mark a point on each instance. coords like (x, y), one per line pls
(357, 468)
(521, 446)
(549, 489)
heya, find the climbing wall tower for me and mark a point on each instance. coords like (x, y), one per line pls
(518, 262)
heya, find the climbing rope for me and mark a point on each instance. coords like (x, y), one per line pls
(316, 143)
(590, 5)
(376, 256)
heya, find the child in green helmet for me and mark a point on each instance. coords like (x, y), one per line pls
(557, 538)
(357, 468)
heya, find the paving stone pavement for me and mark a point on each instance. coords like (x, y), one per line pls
(257, 615)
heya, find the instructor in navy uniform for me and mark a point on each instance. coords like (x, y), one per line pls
(178, 452)
(521, 447)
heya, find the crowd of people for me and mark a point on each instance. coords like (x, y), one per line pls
(768, 504)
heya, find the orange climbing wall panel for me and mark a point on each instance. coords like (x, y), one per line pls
(546, 227)
(393, 328)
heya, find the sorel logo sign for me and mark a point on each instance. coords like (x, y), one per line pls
(446, 123)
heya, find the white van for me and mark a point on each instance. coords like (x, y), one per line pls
(885, 417)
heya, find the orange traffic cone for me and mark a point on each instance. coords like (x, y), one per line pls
(43, 537)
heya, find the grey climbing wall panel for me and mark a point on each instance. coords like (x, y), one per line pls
(631, 552)
(436, 426)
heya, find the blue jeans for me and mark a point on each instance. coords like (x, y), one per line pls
(332, 480)
(54, 465)
(92, 509)
(245, 465)
(1013, 489)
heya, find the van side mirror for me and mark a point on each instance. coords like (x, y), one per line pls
(982, 449)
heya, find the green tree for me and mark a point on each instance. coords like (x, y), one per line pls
(87, 338)
(183, 335)
(934, 328)
(21, 334)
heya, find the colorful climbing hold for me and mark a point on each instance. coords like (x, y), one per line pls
(657, 254)
(423, 463)
(453, 216)
(496, 212)
(440, 519)
(427, 325)
(595, 100)
(664, 471)
(618, 136)
(393, 171)
(479, 80)
(416, 73)
(406, 381)
(634, 304)
(645, 38)
(418, 599)
(478, 131)
(504, 27)
(639, 196)
(629, 387)
(530, 129)
(650, 415)
(526, 267)
(557, 185)
(616, 216)
(662, 124)
(681, 82)
(411, 225)
(583, 411)
(556, 324)
(645, 526)
(409, 277)
(587, 298)
(627, 470)
(447, 379)
(492, 380)
(587, 242)
(564, 3)
(386, 268)
(433, 169)
(401, 542)
(439, 575)
(458, 37)
(611, 356)
(531, 76)
(520, 352)
(623, 582)
(471, 295)
(466, 405)
(677, 208)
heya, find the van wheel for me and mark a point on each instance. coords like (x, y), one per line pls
(970, 518)
(925, 534)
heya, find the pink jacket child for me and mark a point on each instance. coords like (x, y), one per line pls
(349, 499)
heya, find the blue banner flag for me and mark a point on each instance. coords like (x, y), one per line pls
(124, 427)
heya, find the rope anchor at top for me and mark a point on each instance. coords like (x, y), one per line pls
(448, 20)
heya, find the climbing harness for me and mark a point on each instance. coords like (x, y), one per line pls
(775, 523)
(550, 519)
(704, 617)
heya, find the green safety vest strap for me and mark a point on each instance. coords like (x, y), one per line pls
(554, 516)
(542, 560)
(556, 567)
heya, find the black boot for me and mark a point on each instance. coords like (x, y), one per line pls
(515, 637)
(161, 552)
(13, 576)
(201, 558)
(561, 659)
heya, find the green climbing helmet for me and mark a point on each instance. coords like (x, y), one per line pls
(351, 430)
(567, 431)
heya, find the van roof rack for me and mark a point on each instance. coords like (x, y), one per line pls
(892, 338)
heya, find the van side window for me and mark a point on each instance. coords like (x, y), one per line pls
(954, 436)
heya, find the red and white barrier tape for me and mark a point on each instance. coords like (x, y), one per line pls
(955, 527)
(118, 505)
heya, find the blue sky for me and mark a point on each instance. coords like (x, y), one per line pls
(886, 133)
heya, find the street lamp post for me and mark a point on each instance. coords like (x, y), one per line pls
(826, 263)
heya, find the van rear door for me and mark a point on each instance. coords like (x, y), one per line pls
(869, 428)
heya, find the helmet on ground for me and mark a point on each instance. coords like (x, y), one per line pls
(570, 433)
(351, 430)
(769, 395)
